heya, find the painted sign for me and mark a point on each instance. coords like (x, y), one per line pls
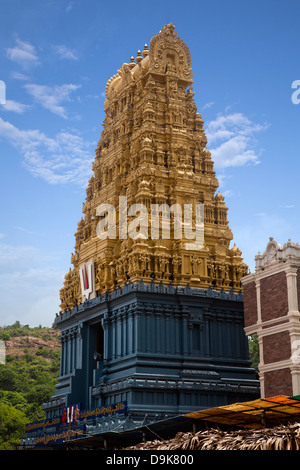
(87, 280)
(71, 424)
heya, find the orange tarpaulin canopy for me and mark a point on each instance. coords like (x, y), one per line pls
(253, 414)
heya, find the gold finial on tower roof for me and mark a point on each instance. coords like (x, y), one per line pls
(132, 62)
(138, 57)
(145, 50)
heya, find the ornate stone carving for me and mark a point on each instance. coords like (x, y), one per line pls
(169, 54)
(153, 151)
(275, 253)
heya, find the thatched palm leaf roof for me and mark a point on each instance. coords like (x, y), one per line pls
(277, 438)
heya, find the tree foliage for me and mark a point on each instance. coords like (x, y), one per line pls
(26, 382)
(12, 426)
(254, 351)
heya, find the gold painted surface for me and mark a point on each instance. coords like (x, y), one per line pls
(153, 151)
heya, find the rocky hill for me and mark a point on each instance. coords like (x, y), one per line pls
(33, 343)
(20, 340)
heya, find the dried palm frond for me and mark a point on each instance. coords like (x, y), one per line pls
(277, 438)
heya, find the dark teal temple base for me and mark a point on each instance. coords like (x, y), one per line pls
(163, 350)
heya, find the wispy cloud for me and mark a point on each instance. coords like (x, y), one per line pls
(51, 98)
(69, 7)
(287, 206)
(23, 53)
(25, 230)
(65, 53)
(208, 105)
(10, 254)
(228, 193)
(15, 106)
(20, 76)
(64, 158)
(231, 140)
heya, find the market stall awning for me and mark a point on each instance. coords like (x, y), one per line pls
(252, 414)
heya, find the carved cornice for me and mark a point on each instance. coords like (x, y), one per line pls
(276, 255)
(142, 287)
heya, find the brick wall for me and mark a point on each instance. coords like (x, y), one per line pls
(278, 382)
(273, 296)
(276, 347)
(250, 304)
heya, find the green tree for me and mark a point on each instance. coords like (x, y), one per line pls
(8, 378)
(5, 335)
(254, 351)
(12, 426)
(13, 399)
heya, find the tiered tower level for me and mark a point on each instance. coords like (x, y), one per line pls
(153, 151)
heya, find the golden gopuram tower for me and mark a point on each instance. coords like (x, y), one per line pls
(153, 151)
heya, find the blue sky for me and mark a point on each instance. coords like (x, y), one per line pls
(55, 59)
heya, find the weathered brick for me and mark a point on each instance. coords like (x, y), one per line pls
(278, 382)
(273, 296)
(276, 347)
(250, 304)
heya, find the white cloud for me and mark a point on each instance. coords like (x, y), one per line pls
(23, 54)
(23, 229)
(222, 178)
(233, 137)
(65, 158)
(228, 193)
(69, 7)
(208, 105)
(9, 255)
(15, 106)
(234, 152)
(260, 214)
(287, 206)
(65, 53)
(51, 98)
(20, 76)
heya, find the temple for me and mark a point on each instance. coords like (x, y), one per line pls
(151, 313)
